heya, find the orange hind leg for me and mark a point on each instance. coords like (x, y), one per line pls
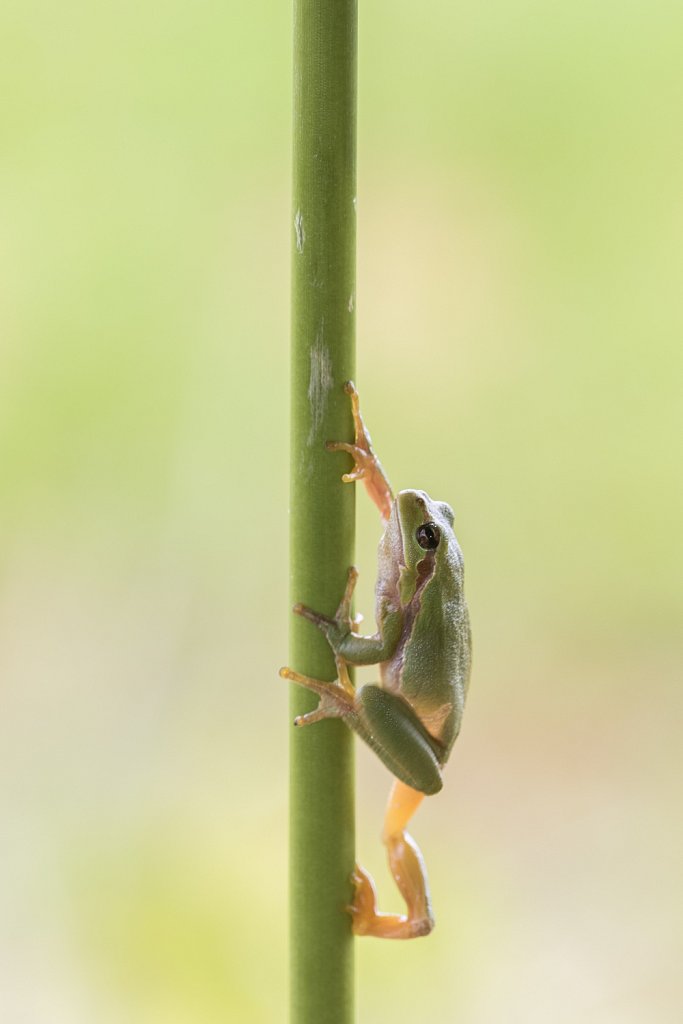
(408, 869)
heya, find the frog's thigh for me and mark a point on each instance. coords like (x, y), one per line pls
(397, 737)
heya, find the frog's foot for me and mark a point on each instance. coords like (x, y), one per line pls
(335, 699)
(364, 460)
(367, 920)
(343, 622)
(342, 616)
(367, 466)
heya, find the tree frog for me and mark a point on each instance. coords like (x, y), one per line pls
(412, 716)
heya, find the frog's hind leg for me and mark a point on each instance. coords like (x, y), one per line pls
(408, 869)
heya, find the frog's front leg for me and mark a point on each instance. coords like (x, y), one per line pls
(339, 630)
(408, 869)
(367, 466)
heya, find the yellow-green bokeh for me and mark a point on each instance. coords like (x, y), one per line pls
(520, 222)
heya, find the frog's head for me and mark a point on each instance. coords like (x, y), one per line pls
(428, 544)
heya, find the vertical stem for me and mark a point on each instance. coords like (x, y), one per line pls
(322, 508)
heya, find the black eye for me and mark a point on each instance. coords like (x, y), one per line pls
(428, 536)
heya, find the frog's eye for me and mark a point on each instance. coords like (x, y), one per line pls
(428, 536)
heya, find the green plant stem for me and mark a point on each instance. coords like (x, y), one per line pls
(322, 508)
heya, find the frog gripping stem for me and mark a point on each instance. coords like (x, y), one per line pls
(411, 716)
(335, 701)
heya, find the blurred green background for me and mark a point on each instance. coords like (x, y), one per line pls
(519, 325)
